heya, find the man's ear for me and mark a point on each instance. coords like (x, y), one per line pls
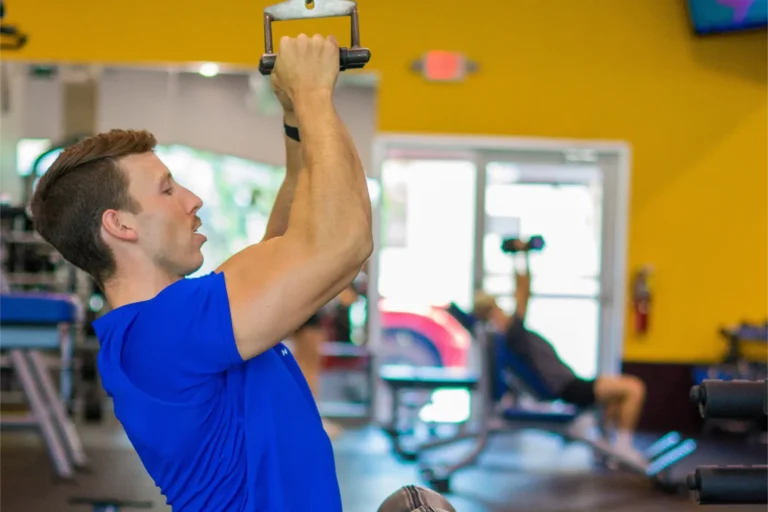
(119, 225)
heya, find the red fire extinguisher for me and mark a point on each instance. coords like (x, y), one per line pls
(641, 300)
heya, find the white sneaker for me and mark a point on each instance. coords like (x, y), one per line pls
(583, 427)
(630, 455)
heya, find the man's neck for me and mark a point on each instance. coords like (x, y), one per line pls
(129, 289)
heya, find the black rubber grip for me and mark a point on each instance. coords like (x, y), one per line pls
(736, 399)
(349, 58)
(715, 485)
(267, 63)
(353, 58)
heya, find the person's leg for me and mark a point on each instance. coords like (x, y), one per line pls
(611, 411)
(624, 395)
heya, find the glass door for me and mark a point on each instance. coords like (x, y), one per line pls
(443, 208)
(425, 256)
(563, 204)
(424, 230)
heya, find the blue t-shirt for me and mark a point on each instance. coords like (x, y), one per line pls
(216, 433)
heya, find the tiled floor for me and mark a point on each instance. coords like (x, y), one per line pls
(521, 472)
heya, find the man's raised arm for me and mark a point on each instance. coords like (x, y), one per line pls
(278, 218)
(274, 286)
(522, 289)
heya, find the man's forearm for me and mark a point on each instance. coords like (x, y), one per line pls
(523, 289)
(278, 218)
(332, 202)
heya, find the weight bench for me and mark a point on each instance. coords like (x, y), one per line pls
(550, 415)
(401, 378)
(30, 324)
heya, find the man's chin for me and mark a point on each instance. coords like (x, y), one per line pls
(195, 267)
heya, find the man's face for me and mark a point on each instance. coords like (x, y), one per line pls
(167, 222)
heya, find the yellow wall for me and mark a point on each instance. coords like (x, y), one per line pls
(694, 110)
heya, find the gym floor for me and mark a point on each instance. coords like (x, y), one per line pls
(524, 471)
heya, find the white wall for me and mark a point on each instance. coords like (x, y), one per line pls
(214, 114)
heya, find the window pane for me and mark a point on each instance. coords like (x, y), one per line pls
(428, 229)
(544, 285)
(571, 325)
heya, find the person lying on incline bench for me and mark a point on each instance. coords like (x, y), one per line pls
(621, 396)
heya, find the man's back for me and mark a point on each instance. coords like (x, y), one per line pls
(213, 431)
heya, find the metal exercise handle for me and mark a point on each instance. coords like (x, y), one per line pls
(354, 57)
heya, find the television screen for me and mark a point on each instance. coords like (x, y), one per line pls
(714, 16)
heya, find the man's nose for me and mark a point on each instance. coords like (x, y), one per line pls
(196, 203)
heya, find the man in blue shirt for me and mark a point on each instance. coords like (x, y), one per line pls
(214, 404)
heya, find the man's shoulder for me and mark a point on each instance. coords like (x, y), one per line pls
(186, 288)
(182, 294)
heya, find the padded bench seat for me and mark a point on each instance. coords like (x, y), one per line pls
(428, 377)
(30, 320)
(518, 414)
(36, 309)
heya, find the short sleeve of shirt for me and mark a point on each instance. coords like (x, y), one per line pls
(181, 338)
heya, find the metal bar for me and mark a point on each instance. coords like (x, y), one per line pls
(355, 28)
(51, 438)
(268, 33)
(23, 422)
(66, 425)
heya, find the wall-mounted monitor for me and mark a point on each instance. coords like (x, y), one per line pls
(718, 16)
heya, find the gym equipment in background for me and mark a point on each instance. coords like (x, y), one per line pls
(730, 485)
(354, 57)
(736, 365)
(428, 337)
(737, 337)
(31, 323)
(427, 340)
(513, 245)
(548, 415)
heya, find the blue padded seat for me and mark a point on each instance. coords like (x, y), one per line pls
(543, 416)
(32, 309)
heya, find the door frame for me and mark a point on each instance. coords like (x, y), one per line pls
(616, 199)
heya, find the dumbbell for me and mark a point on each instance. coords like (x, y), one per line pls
(514, 245)
(354, 57)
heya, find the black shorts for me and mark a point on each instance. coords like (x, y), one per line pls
(314, 321)
(580, 393)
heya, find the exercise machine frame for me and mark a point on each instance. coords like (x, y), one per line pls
(662, 455)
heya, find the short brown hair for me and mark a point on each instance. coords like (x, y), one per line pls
(484, 304)
(73, 194)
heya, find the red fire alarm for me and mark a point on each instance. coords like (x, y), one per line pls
(444, 66)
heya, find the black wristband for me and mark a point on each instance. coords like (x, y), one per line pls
(292, 132)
